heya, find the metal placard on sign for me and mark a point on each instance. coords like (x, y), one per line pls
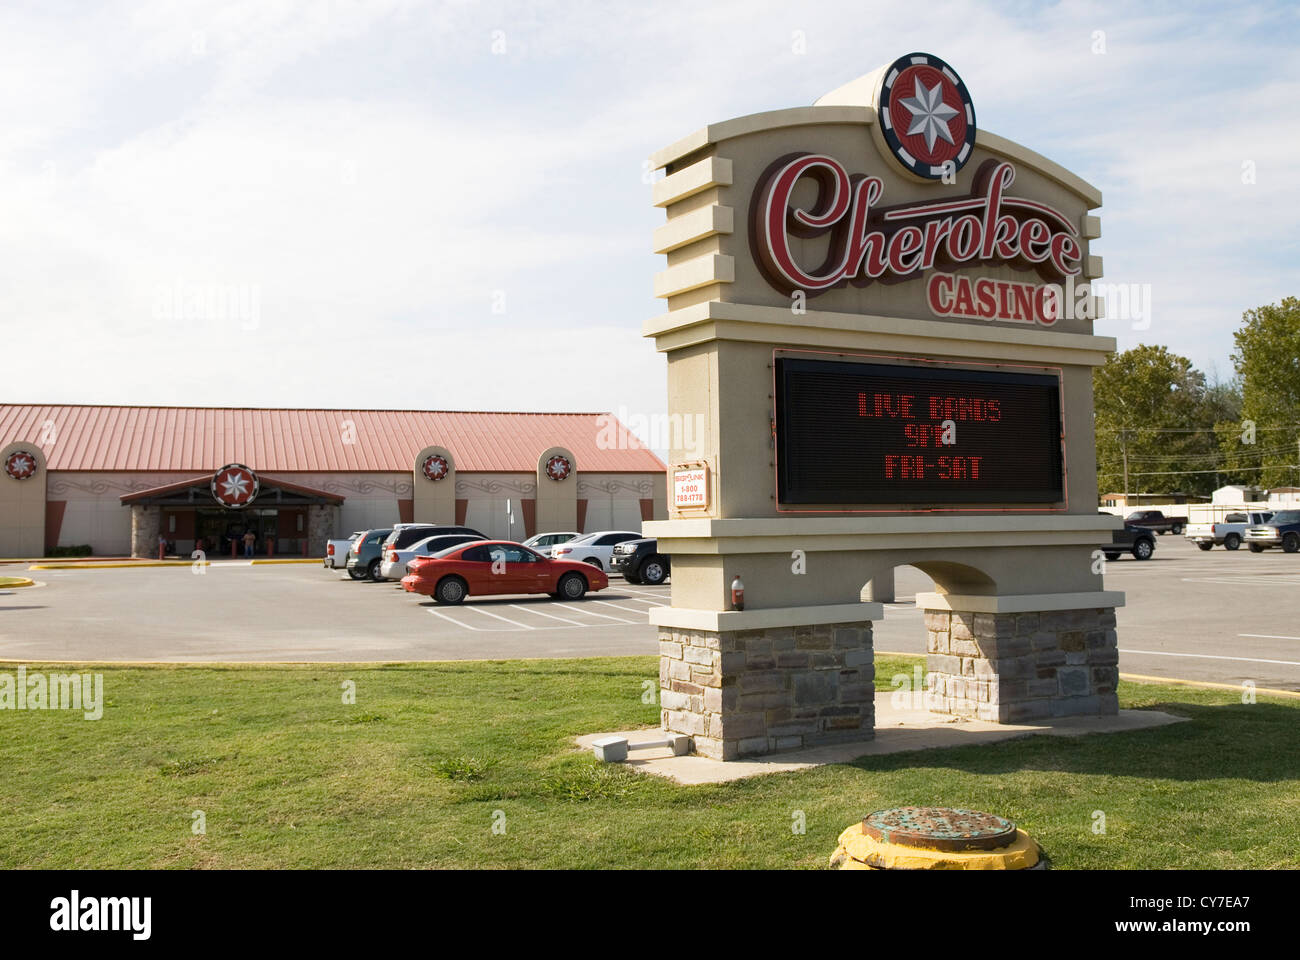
(691, 486)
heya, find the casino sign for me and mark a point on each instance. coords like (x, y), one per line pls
(881, 315)
(235, 486)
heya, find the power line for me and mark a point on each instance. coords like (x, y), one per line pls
(1234, 428)
(1166, 473)
(1232, 455)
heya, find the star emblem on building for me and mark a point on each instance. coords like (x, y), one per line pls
(557, 468)
(234, 486)
(930, 115)
(20, 465)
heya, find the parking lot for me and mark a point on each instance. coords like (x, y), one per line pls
(303, 612)
(1216, 616)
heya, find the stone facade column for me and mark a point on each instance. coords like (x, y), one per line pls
(146, 522)
(320, 521)
(1014, 667)
(745, 692)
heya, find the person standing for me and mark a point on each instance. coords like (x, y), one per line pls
(250, 539)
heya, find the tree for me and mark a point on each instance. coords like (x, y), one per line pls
(1155, 414)
(1267, 361)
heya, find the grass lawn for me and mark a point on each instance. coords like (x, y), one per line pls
(415, 772)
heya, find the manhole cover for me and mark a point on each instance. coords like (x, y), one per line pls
(939, 828)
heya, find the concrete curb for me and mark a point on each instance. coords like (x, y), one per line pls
(12, 560)
(116, 566)
(275, 560)
(1144, 678)
(9, 582)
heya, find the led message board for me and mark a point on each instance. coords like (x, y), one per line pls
(851, 432)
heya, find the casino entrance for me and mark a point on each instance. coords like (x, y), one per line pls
(286, 519)
(217, 528)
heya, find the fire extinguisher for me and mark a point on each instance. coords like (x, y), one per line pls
(737, 593)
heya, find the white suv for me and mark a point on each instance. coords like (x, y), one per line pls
(593, 548)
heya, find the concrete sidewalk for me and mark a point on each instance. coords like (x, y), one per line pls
(897, 731)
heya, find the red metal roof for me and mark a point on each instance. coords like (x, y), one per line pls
(76, 437)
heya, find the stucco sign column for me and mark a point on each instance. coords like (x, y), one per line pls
(557, 490)
(881, 316)
(22, 500)
(434, 486)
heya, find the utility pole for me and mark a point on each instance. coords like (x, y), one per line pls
(1123, 446)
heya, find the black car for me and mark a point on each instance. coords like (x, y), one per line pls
(639, 561)
(405, 534)
(1130, 539)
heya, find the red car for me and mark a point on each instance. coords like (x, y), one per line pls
(499, 566)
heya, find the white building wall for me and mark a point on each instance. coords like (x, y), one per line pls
(95, 514)
(487, 494)
(614, 499)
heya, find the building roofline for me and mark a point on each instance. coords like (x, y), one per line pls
(171, 406)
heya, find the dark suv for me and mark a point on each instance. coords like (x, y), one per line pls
(639, 561)
(405, 534)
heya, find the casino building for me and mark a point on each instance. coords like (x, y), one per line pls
(120, 477)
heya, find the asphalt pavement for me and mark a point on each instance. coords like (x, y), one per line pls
(1218, 616)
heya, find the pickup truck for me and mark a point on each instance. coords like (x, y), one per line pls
(1156, 522)
(1130, 539)
(1282, 530)
(1228, 532)
(336, 552)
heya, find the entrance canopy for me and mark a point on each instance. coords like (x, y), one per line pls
(197, 493)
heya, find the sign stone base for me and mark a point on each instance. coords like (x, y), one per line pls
(1011, 667)
(745, 692)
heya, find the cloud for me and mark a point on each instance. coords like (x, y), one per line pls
(381, 183)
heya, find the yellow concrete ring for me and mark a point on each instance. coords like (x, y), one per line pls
(1021, 854)
(16, 582)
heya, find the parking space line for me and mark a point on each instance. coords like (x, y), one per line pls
(552, 616)
(1283, 579)
(1267, 636)
(643, 593)
(624, 609)
(464, 626)
(1210, 656)
(593, 613)
(522, 626)
(653, 603)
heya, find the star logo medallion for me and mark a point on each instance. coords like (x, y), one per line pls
(926, 120)
(235, 486)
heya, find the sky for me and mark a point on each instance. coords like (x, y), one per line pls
(447, 205)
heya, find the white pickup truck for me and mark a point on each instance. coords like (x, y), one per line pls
(336, 552)
(1228, 532)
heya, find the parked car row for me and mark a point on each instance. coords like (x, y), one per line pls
(1258, 530)
(450, 563)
